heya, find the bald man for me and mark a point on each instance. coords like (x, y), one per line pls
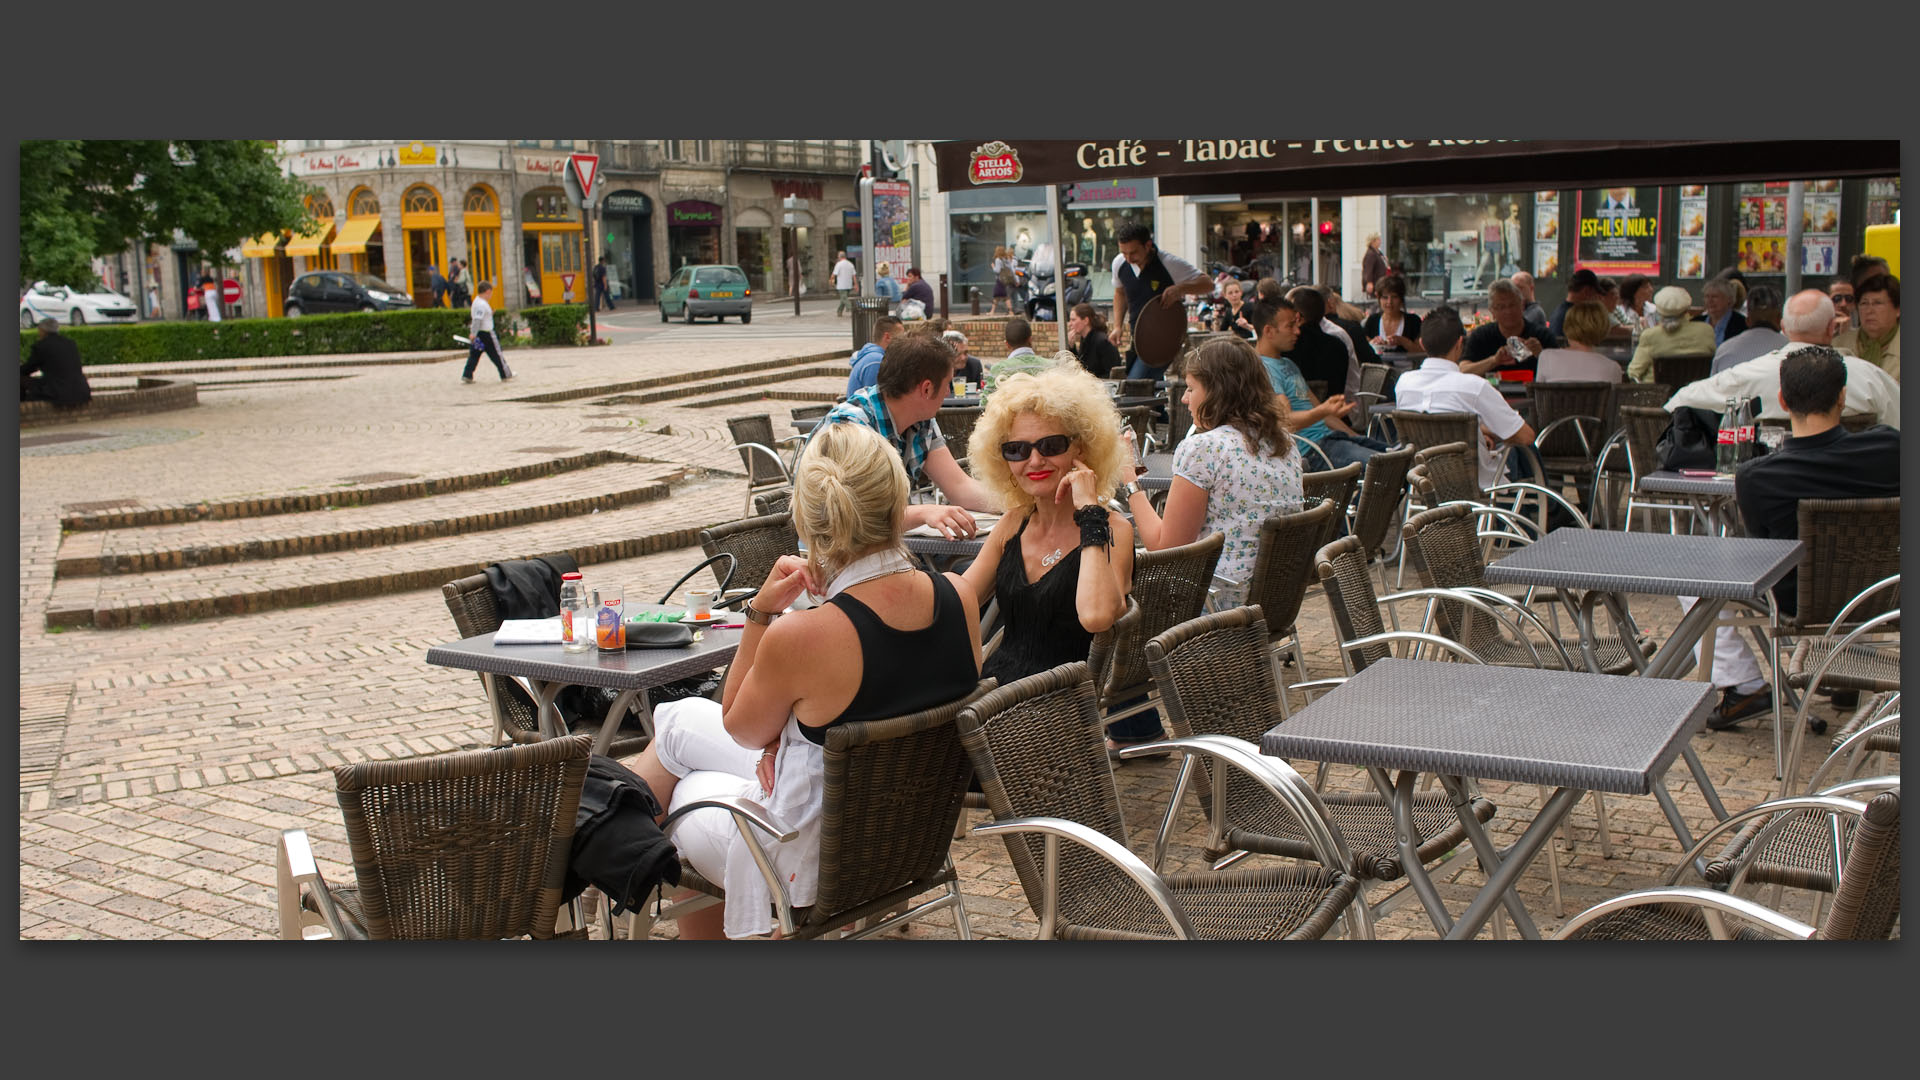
(1531, 309)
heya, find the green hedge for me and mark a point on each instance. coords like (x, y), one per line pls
(311, 335)
(556, 324)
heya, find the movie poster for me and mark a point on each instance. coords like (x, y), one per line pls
(1619, 230)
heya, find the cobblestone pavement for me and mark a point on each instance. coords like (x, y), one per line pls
(160, 761)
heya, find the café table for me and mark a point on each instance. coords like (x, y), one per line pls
(966, 401)
(1605, 566)
(1711, 496)
(1569, 730)
(1159, 474)
(548, 669)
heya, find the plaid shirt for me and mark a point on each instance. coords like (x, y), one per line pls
(868, 408)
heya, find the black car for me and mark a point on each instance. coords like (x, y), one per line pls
(326, 291)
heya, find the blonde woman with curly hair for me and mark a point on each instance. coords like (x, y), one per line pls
(888, 640)
(1048, 448)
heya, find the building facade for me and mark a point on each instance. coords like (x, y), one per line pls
(393, 209)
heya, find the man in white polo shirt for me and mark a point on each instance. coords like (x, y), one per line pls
(1439, 386)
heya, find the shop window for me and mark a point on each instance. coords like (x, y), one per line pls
(363, 203)
(560, 253)
(420, 199)
(546, 204)
(481, 201)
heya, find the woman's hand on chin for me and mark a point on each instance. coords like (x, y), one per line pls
(784, 583)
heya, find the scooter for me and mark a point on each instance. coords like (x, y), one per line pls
(1040, 306)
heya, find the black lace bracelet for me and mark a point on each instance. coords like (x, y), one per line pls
(1094, 529)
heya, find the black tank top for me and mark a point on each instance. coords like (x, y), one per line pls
(904, 671)
(1041, 618)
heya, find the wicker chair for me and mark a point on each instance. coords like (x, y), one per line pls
(1865, 908)
(1383, 491)
(957, 423)
(1335, 485)
(1140, 419)
(1614, 463)
(755, 544)
(1179, 417)
(892, 798)
(1283, 570)
(779, 501)
(1681, 369)
(1640, 429)
(516, 716)
(1874, 729)
(753, 437)
(467, 846)
(1797, 849)
(1422, 430)
(1217, 678)
(810, 412)
(1171, 587)
(1138, 387)
(1036, 746)
(1571, 419)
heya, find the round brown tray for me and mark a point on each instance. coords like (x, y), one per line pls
(1159, 331)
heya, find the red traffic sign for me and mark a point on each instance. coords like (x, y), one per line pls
(584, 168)
(566, 282)
(229, 291)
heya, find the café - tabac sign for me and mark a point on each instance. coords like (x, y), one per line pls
(1065, 161)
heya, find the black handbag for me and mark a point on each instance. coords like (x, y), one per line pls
(1692, 439)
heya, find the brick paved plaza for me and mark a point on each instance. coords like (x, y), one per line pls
(217, 604)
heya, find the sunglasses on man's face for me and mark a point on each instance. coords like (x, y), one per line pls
(1842, 298)
(1051, 446)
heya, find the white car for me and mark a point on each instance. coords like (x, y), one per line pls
(45, 301)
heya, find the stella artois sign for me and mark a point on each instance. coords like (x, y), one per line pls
(995, 163)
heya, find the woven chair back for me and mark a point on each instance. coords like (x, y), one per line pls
(1382, 486)
(1171, 587)
(1342, 569)
(810, 412)
(470, 599)
(1867, 905)
(1140, 419)
(470, 845)
(757, 428)
(1849, 545)
(957, 423)
(1335, 485)
(755, 543)
(1435, 429)
(1373, 378)
(1643, 425)
(893, 790)
(1449, 472)
(1680, 369)
(1446, 554)
(1642, 395)
(1137, 387)
(1179, 417)
(1553, 401)
(1216, 676)
(1038, 747)
(1283, 568)
(773, 502)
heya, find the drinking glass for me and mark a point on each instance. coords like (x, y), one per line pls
(610, 625)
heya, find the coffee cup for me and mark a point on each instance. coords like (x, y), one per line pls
(700, 603)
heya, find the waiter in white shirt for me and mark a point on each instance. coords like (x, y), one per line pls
(1143, 274)
(1439, 386)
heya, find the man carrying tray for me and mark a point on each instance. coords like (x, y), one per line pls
(1142, 274)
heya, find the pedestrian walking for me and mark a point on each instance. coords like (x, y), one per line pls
(438, 285)
(600, 285)
(461, 287)
(209, 297)
(1003, 265)
(483, 337)
(843, 276)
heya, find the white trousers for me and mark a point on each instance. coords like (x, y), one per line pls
(1734, 664)
(693, 745)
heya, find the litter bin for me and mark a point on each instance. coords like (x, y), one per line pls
(866, 312)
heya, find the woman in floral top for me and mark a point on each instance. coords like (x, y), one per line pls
(1239, 469)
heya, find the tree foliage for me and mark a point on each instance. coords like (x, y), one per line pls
(81, 198)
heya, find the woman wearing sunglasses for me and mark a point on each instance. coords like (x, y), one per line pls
(1061, 564)
(1237, 470)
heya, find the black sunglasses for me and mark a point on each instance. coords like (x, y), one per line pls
(1842, 298)
(1051, 446)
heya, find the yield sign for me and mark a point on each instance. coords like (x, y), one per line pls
(584, 167)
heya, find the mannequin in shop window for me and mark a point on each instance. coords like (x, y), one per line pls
(1089, 242)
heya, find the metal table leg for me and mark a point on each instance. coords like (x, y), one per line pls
(1417, 876)
(1490, 861)
(1501, 881)
(543, 695)
(1679, 823)
(618, 712)
(1673, 653)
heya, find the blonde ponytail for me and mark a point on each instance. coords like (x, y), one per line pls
(849, 497)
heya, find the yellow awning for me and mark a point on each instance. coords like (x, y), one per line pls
(353, 236)
(263, 248)
(307, 245)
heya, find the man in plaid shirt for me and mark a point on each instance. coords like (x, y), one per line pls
(914, 377)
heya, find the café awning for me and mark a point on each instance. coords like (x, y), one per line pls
(354, 235)
(264, 247)
(1325, 167)
(307, 245)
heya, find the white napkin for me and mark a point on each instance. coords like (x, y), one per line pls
(528, 632)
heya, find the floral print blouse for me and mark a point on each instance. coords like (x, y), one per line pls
(1242, 491)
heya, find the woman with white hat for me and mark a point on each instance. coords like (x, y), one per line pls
(1676, 335)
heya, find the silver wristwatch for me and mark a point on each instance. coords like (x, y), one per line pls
(1128, 489)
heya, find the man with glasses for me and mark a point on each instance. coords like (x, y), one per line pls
(915, 375)
(1841, 293)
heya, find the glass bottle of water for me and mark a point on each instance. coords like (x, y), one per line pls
(576, 614)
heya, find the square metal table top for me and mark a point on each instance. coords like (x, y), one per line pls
(1559, 728)
(1159, 475)
(1668, 482)
(940, 545)
(630, 669)
(1719, 567)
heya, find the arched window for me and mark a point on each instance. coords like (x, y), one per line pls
(420, 199)
(480, 200)
(363, 203)
(320, 206)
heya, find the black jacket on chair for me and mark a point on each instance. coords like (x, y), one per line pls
(529, 588)
(616, 844)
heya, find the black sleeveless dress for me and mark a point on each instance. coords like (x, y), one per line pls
(904, 671)
(1042, 621)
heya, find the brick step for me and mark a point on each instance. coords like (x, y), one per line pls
(713, 386)
(200, 592)
(681, 378)
(820, 389)
(209, 386)
(207, 543)
(132, 513)
(191, 369)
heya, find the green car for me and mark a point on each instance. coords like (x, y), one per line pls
(697, 291)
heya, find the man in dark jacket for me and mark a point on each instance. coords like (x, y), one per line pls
(918, 289)
(58, 359)
(437, 286)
